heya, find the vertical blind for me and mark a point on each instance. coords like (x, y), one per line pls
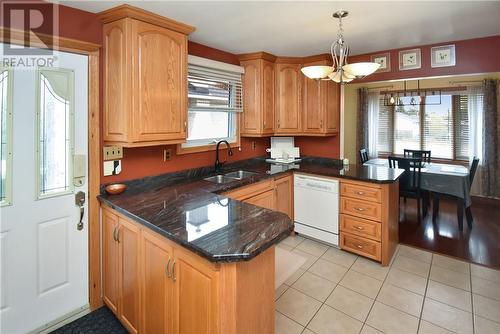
(441, 128)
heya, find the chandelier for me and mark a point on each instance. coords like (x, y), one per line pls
(341, 71)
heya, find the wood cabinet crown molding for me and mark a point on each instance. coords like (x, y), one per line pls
(257, 55)
(124, 11)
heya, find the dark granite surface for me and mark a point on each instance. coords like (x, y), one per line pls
(188, 210)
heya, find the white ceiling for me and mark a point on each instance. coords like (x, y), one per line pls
(304, 28)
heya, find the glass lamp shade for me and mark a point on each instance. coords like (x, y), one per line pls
(317, 72)
(361, 70)
(335, 76)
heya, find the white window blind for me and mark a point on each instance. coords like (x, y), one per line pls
(444, 128)
(406, 126)
(384, 138)
(438, 127)
(5, 136)
(214, 98)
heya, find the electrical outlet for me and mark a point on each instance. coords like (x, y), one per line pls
(167, 154)
(112, 153)
(254, 145)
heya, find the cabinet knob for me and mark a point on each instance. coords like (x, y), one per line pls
(360, 193)
(359, 246)
(359, 209)
(358, 227)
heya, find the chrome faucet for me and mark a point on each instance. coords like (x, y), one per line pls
(219, 164)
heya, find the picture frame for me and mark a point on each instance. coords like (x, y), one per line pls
(443, 56)
(410, 59)
(384, 59)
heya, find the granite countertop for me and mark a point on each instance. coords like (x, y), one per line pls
(189, 210)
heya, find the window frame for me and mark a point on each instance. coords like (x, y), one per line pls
(7, 200)
(422, 111)
(203, 145)
(71, 187)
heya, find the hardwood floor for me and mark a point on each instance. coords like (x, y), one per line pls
(480, 245)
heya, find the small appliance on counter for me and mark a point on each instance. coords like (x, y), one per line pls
(283, 151)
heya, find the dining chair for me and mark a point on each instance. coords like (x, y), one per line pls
(363, 155)
(410, 181)
(424, 155)
(460, 202)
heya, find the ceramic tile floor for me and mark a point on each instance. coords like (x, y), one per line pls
(420, 292)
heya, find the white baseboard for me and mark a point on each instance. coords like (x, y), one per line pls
(63, 320)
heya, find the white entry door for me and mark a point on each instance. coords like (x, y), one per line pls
(43, 254)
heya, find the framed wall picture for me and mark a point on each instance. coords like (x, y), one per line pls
(384, 59)
(442, 56)
(410, 59)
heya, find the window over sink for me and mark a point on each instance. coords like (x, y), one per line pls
(214, 101)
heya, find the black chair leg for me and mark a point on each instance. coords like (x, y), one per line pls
(426, 202)
(460, 214)
(468, 214)
(435, 206)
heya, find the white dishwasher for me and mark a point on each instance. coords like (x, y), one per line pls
(316, 208)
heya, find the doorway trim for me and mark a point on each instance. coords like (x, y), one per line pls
(91, 50)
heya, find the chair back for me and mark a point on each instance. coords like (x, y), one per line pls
(424, 155)
(363, 155)
(472, 170)
(411, 179)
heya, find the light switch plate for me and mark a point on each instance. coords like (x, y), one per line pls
(112, 153)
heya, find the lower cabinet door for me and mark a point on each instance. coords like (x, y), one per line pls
(110, 260)
(284, 195)
(196, 295)
(265, 200)
(157, 303)
(127, 237)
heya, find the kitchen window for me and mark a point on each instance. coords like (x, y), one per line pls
(214, 101)
(444, 129)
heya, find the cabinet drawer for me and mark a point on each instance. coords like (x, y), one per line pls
(364, 247)
(361, 227)
(362, 192)
(358, 208)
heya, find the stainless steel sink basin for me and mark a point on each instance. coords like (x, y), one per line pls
(221, 179)
(240, 174)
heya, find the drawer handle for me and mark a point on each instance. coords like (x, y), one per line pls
(359, 246)
(359, 209)
(360, 192)
(166, 270)
(358, 227)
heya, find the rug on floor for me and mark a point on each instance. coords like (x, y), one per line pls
(99, 321)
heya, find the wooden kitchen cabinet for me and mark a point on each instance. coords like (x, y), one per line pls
(288, 99)
(368, 220)
(145, 75)
(265, 200)
(258, 99)
(321, 107)
(121, 269)
(284, 195)
(157, 287)
(110, 259)
(196, 286)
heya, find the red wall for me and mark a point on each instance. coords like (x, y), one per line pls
(479, 55)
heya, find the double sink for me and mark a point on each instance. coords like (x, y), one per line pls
(230, 177)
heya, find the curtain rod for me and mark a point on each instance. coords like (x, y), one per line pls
(380, 87)
(464, 81)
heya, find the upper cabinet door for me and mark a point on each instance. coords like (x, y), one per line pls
(159, 66)
(288, 98)
(251, 99)
(314, 105)
(332, 107)
(268, 85)
(116, 81)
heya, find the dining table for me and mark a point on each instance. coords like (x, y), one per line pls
(440, 178)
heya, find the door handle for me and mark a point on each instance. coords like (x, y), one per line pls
(80, 203)
(174, 278)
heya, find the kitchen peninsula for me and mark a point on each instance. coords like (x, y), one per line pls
(177, 244)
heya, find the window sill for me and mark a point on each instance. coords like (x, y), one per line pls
(205, 148)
